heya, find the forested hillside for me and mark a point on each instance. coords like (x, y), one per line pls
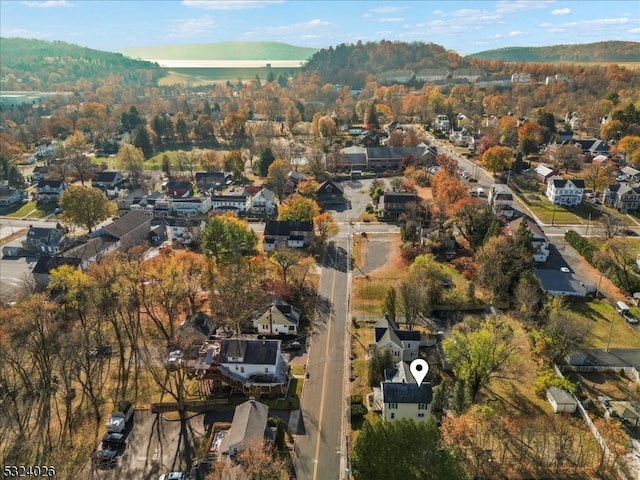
(27, 64)
(350, 64)
(611, 52)
(223, 51)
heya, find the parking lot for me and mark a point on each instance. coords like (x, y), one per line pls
(154, 446)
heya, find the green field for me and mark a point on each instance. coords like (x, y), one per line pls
(206, 76)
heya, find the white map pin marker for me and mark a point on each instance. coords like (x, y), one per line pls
(419, 369)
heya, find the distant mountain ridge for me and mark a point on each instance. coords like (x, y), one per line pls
(223, 51)
(612, 51)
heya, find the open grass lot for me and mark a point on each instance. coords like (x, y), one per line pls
(206, 76)
(599, 316)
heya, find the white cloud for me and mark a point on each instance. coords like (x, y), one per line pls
(512, 6)
(561, 11)
(192, 27)
(293, 29)
(634, 30)
(47, 4)
(517, 33)
(387, 9)
(229, 4)
(390, 19)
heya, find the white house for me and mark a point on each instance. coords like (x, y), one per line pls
(279, 319)
(406, 400)
(442, 123)
(50, 190)
(233, 203)
(189, 206)
(287, 233)
(253, 362)
(404, 344)
(501, 200)
(262, 203)
(565, 192)
(539, 240)
(248, 426)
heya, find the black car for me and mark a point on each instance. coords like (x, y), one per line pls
(104, 459)
(292, 347)
(112, 440)
(101, 351)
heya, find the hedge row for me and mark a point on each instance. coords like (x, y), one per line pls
(583, 246)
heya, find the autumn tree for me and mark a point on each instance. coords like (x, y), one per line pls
(447, 189)
(611, 130)
(379, 361)
(227, 238)
(308, 188)
(568, 156)
(85, 207)
(421, 290)
(529, 137)
(77, 148)
(630, 147)
(326, 227)
(234, 163)
(497, 158)
(404, 450)
(285, 259)
(278, 177)
(210, 162)
(258, 461)
(500, 264)
(131, 159)
(599, 176)
(473, 220)
(480, 353)
(297, 207)
(389, 304)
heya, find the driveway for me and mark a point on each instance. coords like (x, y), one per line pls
(154, 446)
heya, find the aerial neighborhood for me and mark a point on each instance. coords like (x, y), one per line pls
(294, 272)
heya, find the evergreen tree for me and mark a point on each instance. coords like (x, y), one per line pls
(266, 159)
(389, 305)
(439, 401)
(141, 140)
(459, 400)
(372, 118)
(523, 237)
(518, 164)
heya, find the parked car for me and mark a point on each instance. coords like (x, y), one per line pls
(112, 440)
(104, 459)
(175, 360)
(57, 210)
(629, 317)
(118, 420)
(292, 347)
(172, 476)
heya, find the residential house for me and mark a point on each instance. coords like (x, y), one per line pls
(356, 157)
(632, 174)
(406, 400)
(44, 240)
(253, 362)
(131, 228)
(107, 180)
(177, 188)
(41, 271)
(91, 251)
(249, 425)
(591, 147)
(431, 75)
(563, 284)
(190, 206)
(46, 148)
(565, 192)
(196, 329)
(279, 319)
(287, 233)
(239, 204)
(393, 204)
(50, 190)
(627, 411)
(521, 78)
(395, 76)
(501, 200)
(441, 124)
(561, 401)
(212, 180)
(330, 194)
(622, 197)
(262, 203)
(544, 172)
(500, 81)
(404, 344)
(539, 240)
(470, 74)
(183, 231)
(610, 360)
(40, 173)
(10, 196)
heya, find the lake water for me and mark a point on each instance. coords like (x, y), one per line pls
(228, 63)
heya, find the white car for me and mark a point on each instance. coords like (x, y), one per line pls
(565, 269)
(172, 476)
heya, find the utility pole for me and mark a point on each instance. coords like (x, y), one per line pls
(588, 223)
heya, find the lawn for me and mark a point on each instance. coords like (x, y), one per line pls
(32, 210)
(600, 316)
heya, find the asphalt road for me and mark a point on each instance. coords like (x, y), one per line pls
(320, 450)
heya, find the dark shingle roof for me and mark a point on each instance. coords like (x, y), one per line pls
(105, 177)
(254, 352)
(406, 392)
(282, 228)
(125, 224)
(400, 197)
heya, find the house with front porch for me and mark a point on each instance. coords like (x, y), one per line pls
(239, 204)
(50, 190)
(565, 192)
(279, 319)
(191, 206)
(622, 197)
(263, 203)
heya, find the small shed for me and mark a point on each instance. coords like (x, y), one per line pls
(561, 400)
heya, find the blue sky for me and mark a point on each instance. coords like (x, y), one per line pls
(463, 26)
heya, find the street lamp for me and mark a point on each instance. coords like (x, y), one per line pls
(553, 216)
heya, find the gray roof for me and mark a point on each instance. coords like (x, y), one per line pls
(126, 224)
(401, 373)
(406, 392)
(254, 352)
(249, 423)
(89, 249)
(199, 324)
(568, 283)
(387, 330)
(561, 396)
(614, 358)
